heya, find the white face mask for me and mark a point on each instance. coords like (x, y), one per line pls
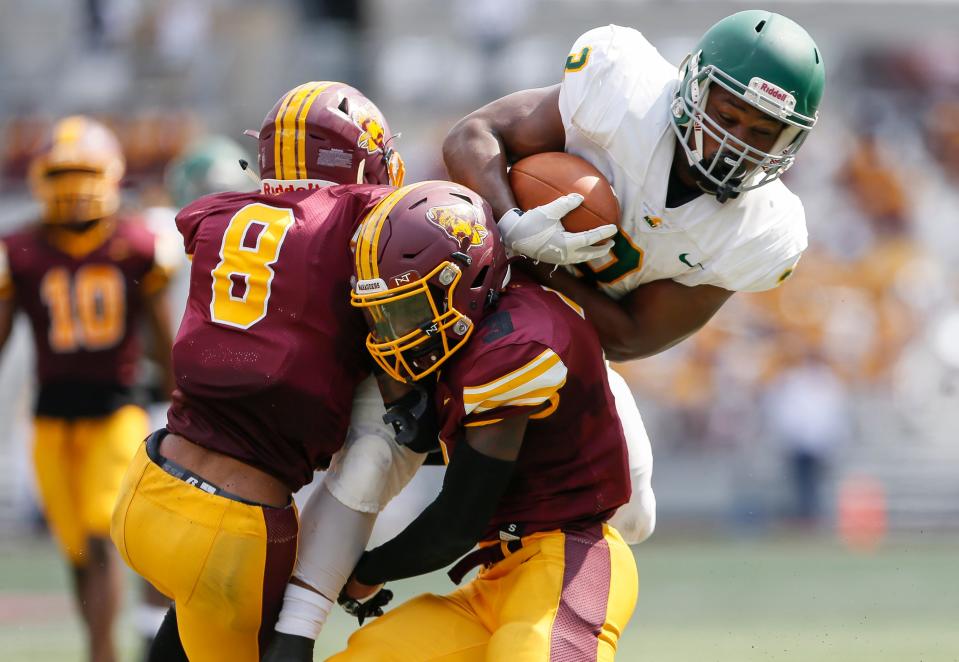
(736, 166)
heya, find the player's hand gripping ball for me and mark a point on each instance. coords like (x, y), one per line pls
(571, 214)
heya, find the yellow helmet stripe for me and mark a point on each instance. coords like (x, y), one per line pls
(301, 115)
(278, 133)
(368, 237)
(70, 129)
(290, 168)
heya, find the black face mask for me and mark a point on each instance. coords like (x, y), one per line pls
(725, 191)
(425, 355)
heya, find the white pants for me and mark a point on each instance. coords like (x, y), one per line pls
(636, 519)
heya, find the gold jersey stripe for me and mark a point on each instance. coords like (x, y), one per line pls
(569, 302)
(546, 370)
(6, 280)
(479, 424)
(532, 398)
(543, 362)
(553, 404)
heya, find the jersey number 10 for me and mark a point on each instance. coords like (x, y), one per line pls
(87, 309)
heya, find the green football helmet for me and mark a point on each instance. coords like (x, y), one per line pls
(209, 166)
(771, 63)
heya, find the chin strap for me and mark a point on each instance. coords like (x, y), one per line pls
(694, 93)
(723, 192)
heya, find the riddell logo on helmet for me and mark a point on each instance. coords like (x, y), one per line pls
(774, 92)
(278, 186)
(771, 93)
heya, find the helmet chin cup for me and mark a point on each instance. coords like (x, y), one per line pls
(424, 357)
(728, 190)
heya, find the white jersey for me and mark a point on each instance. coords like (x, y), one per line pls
(615, 104)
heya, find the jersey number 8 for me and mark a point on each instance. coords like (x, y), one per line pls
(244, 275)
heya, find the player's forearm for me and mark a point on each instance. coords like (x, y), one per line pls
(619, 333)
(449, 527)
(432, 541)
(476, 157)
(160, 327)
(644, 325)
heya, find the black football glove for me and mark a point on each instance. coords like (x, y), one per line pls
(414, 419)
(289, 648)
(369, 608)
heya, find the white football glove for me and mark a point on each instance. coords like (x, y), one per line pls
(539, 234)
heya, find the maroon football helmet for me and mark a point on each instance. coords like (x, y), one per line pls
(324, 133)
(429, 265)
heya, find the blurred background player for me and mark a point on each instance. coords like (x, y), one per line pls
(87, 278)
(209, 165)
(537, 458)
(874, 296)
(268, 357)
(695, 160)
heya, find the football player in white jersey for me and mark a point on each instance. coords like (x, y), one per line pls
(694, 155)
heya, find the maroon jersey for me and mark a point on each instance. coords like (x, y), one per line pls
(83, 295)
(537, 355)
(270, 351)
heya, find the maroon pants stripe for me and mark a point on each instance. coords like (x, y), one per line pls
(281, 535)
(582, 604)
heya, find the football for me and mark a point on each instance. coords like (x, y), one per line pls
(542, 178)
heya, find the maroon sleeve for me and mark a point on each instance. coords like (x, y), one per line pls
(190, 218)
(505, 380)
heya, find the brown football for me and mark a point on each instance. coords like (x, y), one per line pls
(542, 178)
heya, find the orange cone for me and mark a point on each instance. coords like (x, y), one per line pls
(861, 513)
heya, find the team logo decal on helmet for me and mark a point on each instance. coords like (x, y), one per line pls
(374, 139)
(422, 298)
(460, 223)
(373, 136)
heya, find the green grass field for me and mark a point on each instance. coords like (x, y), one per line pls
(700, 601)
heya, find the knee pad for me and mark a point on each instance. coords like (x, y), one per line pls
(370, 470)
